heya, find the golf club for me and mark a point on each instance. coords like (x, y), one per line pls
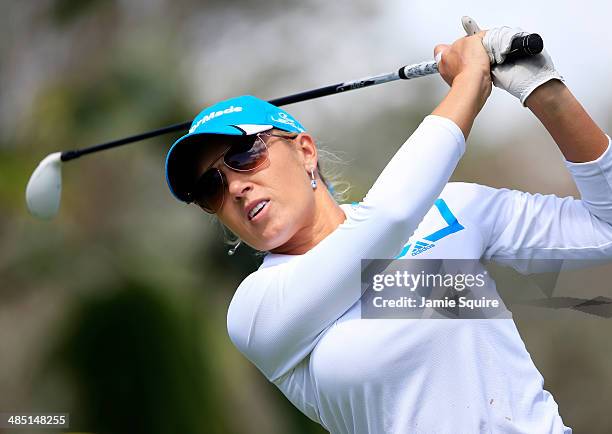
(43, 191)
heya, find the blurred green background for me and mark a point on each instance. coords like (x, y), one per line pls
(115, 311)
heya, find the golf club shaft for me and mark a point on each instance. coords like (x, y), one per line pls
(522, 46)
(411, 71)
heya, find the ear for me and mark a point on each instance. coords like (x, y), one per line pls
(307, 150)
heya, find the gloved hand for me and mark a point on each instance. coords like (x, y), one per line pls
(521, 77)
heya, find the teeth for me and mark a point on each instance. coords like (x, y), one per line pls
(257, 208)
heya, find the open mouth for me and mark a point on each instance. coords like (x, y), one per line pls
(257, 209)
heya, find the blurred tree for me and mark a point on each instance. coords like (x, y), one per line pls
(64, 12)
(138, 361)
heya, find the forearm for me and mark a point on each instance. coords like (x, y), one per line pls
(577, 135)
(465, 99)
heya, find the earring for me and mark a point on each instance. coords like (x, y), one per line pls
(233, 249)
(313, 181)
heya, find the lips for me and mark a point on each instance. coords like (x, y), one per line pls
(255, 207)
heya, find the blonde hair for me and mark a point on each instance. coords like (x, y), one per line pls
(329, 173)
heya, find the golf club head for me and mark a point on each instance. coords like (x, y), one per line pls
(44, 189)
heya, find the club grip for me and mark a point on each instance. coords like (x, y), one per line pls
(525, 46)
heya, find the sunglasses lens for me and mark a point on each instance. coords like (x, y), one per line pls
(209, 190)
(247, 156)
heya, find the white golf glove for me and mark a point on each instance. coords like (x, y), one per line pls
(521, 77)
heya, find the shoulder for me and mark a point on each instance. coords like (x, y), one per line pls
(477, 199)
(248, 300)
(479, 206)
(467, 191)
(257, 319)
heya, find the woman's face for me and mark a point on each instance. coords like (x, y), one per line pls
(283, 183)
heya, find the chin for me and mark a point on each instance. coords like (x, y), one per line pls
(270, 243)
(274, 237)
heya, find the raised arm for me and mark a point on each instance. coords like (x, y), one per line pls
(468, 72)
(577, 135)
(279, 313)
(529, 226)
(535, 226)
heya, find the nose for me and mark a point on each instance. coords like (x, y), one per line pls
(238, 184)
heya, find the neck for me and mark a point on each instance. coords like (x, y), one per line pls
(327, 217)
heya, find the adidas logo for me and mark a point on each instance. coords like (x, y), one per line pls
(420, 247)
(230, 109)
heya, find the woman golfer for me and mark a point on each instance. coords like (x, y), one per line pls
(297, 318)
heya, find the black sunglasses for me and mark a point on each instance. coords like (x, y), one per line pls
(246, 155)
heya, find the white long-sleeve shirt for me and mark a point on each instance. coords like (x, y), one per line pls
(297, 318)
